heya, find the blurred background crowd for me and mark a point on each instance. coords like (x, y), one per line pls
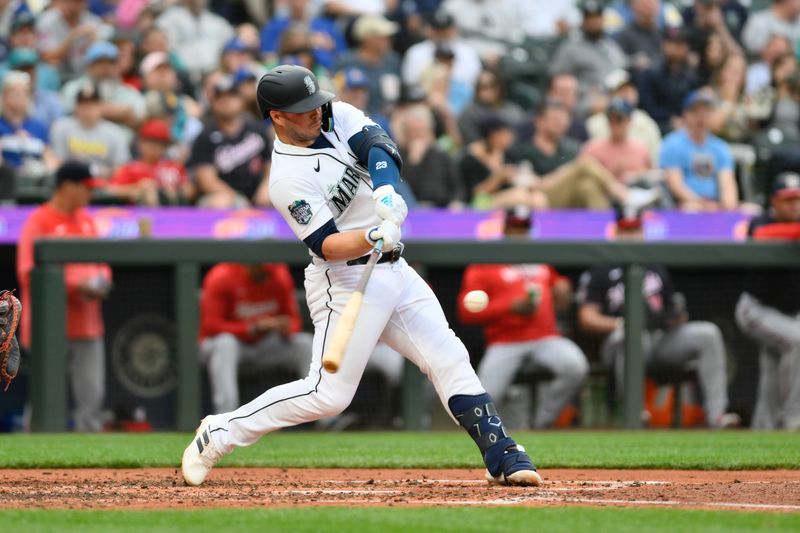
(494, 103)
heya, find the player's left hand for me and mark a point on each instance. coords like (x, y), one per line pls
(389, 205)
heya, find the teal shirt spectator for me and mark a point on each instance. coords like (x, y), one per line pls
(699, 163)
(47, 77)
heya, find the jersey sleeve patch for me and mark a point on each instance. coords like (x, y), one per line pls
(301, 211)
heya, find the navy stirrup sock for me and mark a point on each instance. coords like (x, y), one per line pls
(479, 417)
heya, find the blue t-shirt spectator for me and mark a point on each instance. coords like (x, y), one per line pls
(700, 164)
(16, 146)
(320, 29)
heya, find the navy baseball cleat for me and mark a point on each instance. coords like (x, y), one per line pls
(517, 469)
(200, 456)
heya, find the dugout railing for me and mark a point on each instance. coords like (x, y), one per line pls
(48, 373)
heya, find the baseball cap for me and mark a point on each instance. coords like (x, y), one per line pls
(699, 97)
(224, 85)
(786, 185)
(22, 57)
(152, 61)
(518, 217)
(620, 107)
(236, 45)
(373, 26)
(101, 50)
(628, 218)
(591, 7)
(617, 79)
(676, 34)
(441, 20)
(87, 93)
(23, 20)
(155, 130)
(243, 75)
(77, 172)
(352, 78)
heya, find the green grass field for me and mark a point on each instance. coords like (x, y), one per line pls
(688, 450)
(699, 450)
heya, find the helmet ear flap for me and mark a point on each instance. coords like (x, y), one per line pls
(327, 117)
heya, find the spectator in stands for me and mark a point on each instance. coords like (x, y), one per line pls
(430, 171)
(87, 285)
(375, 57)
(23, 36)
(152, 180)
(24, 141)
(442, 89)
(66, 30)
(643, 128)
(489, 181)
(327, 41)
(781, 18)
(352, 86)
(196, 34)
(237, 54)
(779, 104)
(663, 88)
(698, 166)
(128, 61)
(490, 28)
(640, 39)
(759, 73)
(230, 158)
(46, 104)
(710, 31)
(769, 312)
(119, 103)
(704, 12)
(489, 99)
(171, 108)
(564, 88)
(552, 20)
(622, 155)
(154, 39)
(441, 28)
(548, 164)
(249, 316)
(245, 80)
(671, 342)
(589, 56)
(88, 137)
(620, 14)
(9, 11)
(520, 327)
(729, 119)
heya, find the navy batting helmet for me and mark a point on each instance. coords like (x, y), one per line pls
(293, 89)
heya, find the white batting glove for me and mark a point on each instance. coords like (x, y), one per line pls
(388, 231)
(389, 205)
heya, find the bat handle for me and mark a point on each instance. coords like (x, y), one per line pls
(377, 249)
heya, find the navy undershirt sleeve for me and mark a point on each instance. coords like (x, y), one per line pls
(382, 168)
(315, 240)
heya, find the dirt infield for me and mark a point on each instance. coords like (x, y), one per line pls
(255, 487)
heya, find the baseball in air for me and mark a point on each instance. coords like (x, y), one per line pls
(476, 301)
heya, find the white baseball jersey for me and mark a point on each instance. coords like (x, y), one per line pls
(310, 186)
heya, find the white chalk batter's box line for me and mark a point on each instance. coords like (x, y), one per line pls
(574, 485)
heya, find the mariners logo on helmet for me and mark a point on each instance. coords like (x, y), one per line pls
(309, 85)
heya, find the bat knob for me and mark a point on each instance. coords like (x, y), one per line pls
(330, 366)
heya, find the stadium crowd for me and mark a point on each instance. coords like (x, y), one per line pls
(574, 104)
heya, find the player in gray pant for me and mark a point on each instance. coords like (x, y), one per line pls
(87, 374)
(778, 334)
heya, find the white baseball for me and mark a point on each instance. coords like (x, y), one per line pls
(476, 301)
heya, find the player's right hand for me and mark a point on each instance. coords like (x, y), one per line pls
(389, 232)
(389, 205)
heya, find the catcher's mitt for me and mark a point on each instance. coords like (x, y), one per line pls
(10, 310)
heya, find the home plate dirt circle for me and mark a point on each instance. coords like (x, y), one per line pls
(775, 490)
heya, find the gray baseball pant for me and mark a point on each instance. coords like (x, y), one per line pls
(693, 345)
(778, 334)
(224, 354)
(87, 373)
(559, 355)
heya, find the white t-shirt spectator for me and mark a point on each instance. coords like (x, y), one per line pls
(197, 40)
(53, 30)
(764, 24)
(542, 17)
(466, 64)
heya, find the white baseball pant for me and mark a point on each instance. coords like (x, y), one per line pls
(398, 308)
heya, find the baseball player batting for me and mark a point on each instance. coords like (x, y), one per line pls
(332, 178)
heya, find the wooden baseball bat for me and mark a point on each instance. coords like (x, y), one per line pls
(332, 358)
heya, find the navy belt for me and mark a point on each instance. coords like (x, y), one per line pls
(387, 257)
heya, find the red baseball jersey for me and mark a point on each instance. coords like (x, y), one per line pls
(504, 284)
(84, 316)
(232, 299)
(168, 174)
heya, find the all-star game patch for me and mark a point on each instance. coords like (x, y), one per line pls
(301, 211)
